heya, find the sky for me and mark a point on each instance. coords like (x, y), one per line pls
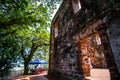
(58, 5)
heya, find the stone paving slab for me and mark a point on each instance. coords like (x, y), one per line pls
(99, 74)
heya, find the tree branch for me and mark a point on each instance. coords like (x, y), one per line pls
(33, 49)
(22, 52)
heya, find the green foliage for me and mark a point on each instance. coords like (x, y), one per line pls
(31, 39)
(19, 12)
(8, 53)
(24, 30)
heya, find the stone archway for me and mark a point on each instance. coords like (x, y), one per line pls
(93, 35)
(91, 55)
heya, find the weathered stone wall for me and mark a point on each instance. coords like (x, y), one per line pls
(95, 16)
(113, 31)
(64, 63)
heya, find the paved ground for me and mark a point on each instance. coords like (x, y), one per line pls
(38, 78)
(96, 74)
(99, 74)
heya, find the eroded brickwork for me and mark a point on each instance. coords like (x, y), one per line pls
(94, 17)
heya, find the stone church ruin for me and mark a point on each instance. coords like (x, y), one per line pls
(85, 34)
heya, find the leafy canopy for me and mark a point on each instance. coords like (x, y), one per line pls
(22, 23)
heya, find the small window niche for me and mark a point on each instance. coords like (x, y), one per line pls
(76, 5)
(56, 28)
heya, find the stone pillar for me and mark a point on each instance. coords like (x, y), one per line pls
(108, 53)
(83, 57)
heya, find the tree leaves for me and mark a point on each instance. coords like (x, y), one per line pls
(8, 52)
(25, 11)
(24, 31)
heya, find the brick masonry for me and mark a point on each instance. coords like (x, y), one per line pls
(94, 17)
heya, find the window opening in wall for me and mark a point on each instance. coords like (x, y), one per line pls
(76, 5)
(56, 28)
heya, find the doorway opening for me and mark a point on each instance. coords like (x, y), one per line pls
(92, 58)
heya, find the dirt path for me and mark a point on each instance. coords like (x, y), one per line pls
(33, 77)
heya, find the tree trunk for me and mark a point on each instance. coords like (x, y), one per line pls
(26, 69)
